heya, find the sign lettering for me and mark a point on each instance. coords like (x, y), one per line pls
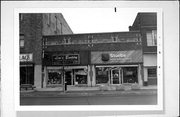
(26, 57)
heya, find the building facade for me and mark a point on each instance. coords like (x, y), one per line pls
(33, 26)
(146, 23)
(93, 59)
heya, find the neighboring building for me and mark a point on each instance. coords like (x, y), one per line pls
(33, 26)
(92, 59)
(146, 23)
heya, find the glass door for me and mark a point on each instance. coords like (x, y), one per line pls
(68, 77)
(116, 76)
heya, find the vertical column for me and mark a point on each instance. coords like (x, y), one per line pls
(145, 76)
(119, 75)
(91, 75)
(88, 76)
(140, 75)
(45, 77)
(38, 76)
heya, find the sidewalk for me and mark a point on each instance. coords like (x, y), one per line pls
(86, 91)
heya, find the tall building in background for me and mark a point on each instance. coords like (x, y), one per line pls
(33, 26)
(146, 23)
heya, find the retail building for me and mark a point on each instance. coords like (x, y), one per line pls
(92, 59)
(33, 26)
(146, 24)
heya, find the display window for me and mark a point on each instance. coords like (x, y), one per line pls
(152, 72)
(80, 76)
(54, 77)
(102, 75)
(130, 75)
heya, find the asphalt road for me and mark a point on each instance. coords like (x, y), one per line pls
(91, 100)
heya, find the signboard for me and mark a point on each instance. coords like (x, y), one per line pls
(116, 57)
(26, 57)
(67, 59)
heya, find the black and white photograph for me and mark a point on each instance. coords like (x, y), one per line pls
(107, 58)
(90, 59)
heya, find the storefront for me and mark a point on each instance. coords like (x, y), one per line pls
(74, 75)
(150, 69)
(67, 66)
(117, 67)
(26, 69)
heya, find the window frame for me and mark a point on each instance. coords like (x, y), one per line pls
(20, 40)
(151, 38)
(151, 68)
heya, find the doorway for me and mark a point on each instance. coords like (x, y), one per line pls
(27, 75)
(68, 77)
(116, 76)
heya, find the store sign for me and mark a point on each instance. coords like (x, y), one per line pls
(26, 57)
(111, 57)
(66, 59)
(117, 55)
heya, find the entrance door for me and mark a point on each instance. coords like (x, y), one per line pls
(116, 76)
(27, 75)
(68, 77)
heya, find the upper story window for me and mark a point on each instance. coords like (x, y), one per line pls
(67, 40)
(56, 23)
(151, 38)
(21, 16)
(49, 19)
(90, 38)
(114, 38)
(21, 41)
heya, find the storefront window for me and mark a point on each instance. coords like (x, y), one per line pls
(102, 75)
(130, 75)
(54, 77)
(80, 76)
(152, 72)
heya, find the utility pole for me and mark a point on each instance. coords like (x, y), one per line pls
(63, 57)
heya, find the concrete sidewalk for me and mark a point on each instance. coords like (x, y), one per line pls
(76, 88)
(85, 91)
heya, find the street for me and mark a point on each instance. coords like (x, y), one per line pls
(91, 100)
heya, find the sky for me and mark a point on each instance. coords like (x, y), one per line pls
(94, 20)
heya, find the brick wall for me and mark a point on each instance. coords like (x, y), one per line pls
(145, 22)
(34, 25)
(52, 23)
(31, 28)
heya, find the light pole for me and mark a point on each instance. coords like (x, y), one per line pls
(63, 57)
(63, 75)
(90, 45)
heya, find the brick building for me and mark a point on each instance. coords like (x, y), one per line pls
(93, 59)
(146, 23)
(33, 26)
